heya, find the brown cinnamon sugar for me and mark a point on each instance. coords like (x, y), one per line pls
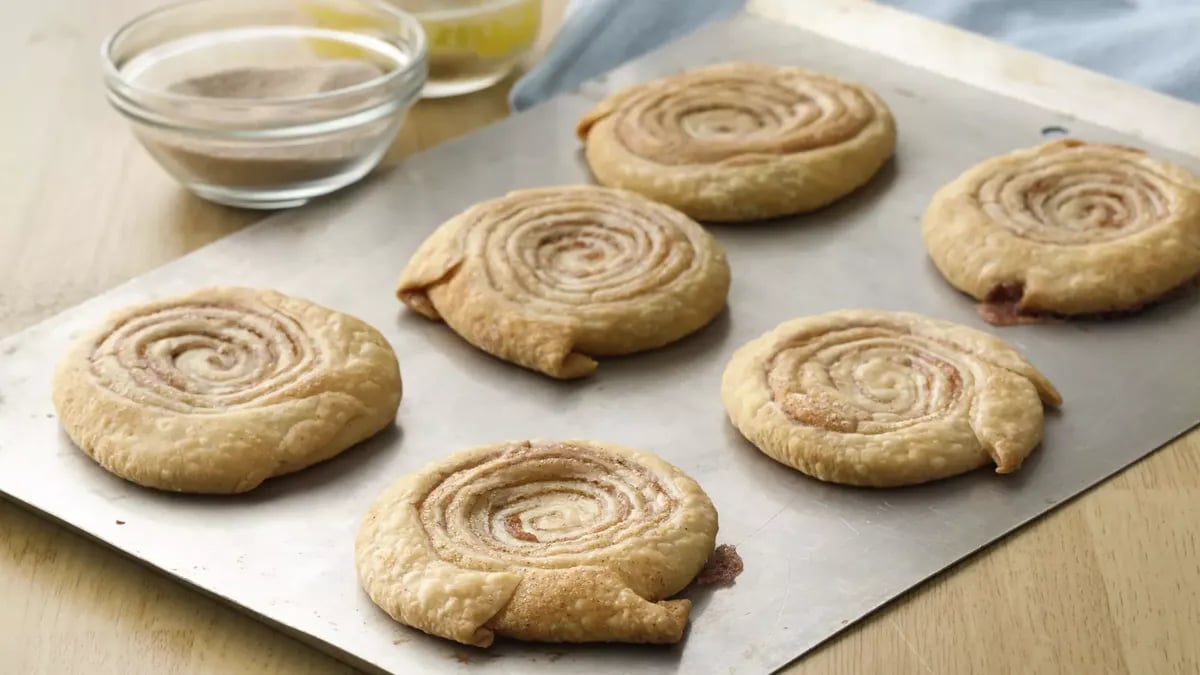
(723, 566)
(261, 82)
(517, 530)
(250, 164)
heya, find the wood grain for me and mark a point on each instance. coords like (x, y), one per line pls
(1107, 584)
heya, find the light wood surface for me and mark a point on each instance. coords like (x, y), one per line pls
(1107, 584)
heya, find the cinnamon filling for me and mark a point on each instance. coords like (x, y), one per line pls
(530, 500)
(864, 379)
(717, 118)
(1086, 194)
(723, 566)
(517, 530)
(1002, 306)
(203, 357)
(578, 247)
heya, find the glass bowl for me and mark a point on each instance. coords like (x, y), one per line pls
(258, 105)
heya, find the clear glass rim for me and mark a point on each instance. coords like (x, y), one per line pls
(448, 13)
(114, 78)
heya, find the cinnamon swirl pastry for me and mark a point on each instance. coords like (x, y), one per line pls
(549, 278)
(879, 398)
(739, 141)
(1067, 228)
(572, 541)
(220, 389)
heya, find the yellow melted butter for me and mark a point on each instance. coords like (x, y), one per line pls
(490, 34)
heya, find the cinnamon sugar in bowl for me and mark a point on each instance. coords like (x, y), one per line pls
(251, 103)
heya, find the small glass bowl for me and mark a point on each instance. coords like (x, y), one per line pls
(258, 105)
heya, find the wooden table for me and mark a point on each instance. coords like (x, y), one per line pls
(1107, 584)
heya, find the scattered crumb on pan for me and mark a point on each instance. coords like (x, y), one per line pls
(723, 566)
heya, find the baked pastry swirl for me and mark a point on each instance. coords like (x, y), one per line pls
(877, 398)
(549, 278)
(1067, 227)
(739, 141)
(222, 388)
(572, 541)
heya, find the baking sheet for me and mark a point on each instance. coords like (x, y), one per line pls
(818, 557)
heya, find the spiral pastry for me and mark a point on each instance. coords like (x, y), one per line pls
(739, 141)
(220, 389)
(1066, 228)
(573, 541)
(549, 278)
(885, 398)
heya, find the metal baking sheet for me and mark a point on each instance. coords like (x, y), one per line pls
(818, 557)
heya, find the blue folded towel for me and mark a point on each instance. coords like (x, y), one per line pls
(1149, 42)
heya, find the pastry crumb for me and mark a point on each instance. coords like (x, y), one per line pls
(723, 566)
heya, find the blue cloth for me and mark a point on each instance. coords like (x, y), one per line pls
(1153, 43)
(599, 35)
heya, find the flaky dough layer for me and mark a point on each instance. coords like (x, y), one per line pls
(555, 541)
(218, 390)
(874, 398)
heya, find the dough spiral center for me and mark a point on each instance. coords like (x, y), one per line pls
(866, 380)
(739, 115)
(545, 506)
(203, 358)
(581, 248)
(1076, 197)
